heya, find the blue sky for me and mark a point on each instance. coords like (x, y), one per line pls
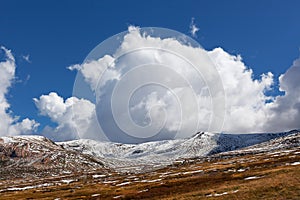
(57, 34)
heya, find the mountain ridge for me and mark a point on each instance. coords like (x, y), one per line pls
(258, 171)
(38, 152)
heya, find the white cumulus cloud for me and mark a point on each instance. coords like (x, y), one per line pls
(247, 109)
(10, 124)
(172, 65)
(186, 100)
(152, 85)
(75, 118)
(284, 112)
(245, 96)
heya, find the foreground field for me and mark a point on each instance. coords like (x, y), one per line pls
(231, 175)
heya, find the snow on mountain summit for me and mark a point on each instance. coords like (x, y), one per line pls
(34, 154)
(161, 153)
(41, 153)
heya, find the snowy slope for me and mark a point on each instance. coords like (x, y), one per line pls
(34, 153)
(26, 152)
(278, 144)
(141, 156)
(160, 153)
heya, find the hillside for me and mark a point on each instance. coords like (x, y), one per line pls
(266, 170)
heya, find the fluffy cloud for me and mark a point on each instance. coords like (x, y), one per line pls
(246, 108)
(9, 124)
(171, 94)
(91, 70)
(162, 81)
(155, 88)
(75, 118)
(245, 97)
(284, 112)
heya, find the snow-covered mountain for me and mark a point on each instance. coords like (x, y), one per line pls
(125, 157)
(281, 144)
(36, 154)
(27, 153)
(151, 155)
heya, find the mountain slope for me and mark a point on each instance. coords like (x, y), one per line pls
(28, 154)
(34, 154)
(151, 155)
(268, 170)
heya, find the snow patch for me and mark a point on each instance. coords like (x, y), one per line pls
(99, 176)
(192, 172)
(7, 140)
(124, 183)
(68, 181)
(295, 163)
(252, 177)
(221, 194)
(143, 190)
(26, 187)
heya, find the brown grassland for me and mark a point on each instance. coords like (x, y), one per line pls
(273, 175)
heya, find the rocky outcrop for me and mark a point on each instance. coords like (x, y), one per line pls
(37, 153)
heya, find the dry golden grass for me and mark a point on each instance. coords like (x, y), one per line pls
(220, 179)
